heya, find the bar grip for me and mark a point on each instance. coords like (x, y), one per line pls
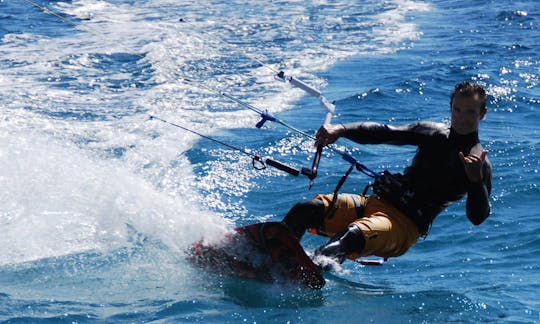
(304, 86)
(282, 167)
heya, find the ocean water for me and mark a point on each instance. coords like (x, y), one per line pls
(98, 203)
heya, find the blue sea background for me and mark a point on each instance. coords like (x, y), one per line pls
(98, 203)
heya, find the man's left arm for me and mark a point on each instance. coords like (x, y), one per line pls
(478, 170)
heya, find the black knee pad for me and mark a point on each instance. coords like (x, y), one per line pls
(353, 240)
(343, 244)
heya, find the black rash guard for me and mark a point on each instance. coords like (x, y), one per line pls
(436, 175)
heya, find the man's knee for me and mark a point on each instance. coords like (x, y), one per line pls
(305, 212)
(303, 215)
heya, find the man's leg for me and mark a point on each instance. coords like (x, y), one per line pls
(384, 231)
(304, 215)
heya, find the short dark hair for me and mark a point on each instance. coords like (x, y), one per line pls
(469, 89)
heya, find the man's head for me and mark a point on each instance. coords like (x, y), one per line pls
(468, 107)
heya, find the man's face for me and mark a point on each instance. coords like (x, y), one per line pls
(466, 114)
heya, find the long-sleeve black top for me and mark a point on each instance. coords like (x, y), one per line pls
(436, 175)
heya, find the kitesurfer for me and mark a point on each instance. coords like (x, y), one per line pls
(449, 163)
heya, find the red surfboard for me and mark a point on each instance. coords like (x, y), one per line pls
(264, 251)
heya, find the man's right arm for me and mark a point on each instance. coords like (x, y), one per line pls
(375, 133)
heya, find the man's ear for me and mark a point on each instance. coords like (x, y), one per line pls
(483, 113)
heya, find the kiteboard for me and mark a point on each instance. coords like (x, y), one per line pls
(264, 251)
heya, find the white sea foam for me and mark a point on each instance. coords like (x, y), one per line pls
(395, 28)
(63, 200)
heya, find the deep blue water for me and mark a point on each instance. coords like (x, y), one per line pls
(98, 203)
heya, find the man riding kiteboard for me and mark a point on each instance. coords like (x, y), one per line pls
(449, 163)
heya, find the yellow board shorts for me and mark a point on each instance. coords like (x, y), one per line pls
(387, 231)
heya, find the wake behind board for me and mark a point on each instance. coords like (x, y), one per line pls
(263, 251)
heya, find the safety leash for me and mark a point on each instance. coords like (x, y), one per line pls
(360, 167)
